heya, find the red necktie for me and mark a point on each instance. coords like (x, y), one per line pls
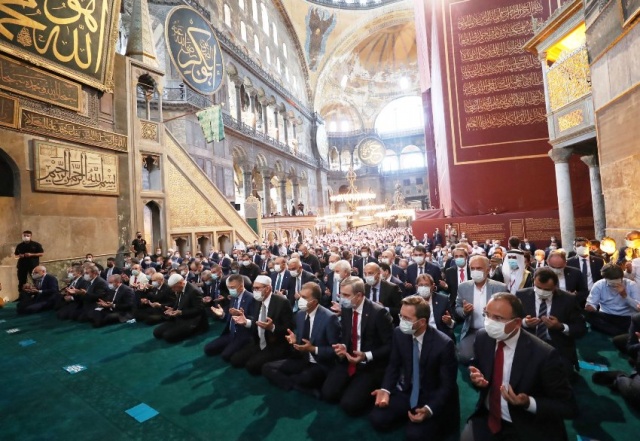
(461, 275)
(354, 342)
(495, 409)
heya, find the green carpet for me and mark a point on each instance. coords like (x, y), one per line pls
(201, 398)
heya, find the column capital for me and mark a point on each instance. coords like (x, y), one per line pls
(590, 160)
(560, 155)
(542, 56)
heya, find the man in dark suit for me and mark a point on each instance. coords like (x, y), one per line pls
(97, 290)
(441, 312)
(525, 245)
(237, 318)
(117, 307)
(248, 268)
(274, 249)
(70, 304)
(437, 238)
(155, 301)
(298, 278)
(553, 315)
(365, 258)
(364, 352)
(570, 279)
(420, 266)
(590, 266)
(280, 276)
(388, 257)
(331, 297)
(317, 330)
(255, 256)
(310, 259)
(40, 296)
(111, 269)
(268, 331)
(382, 292)
(423, 362)
(459, 272)
(385, 273)
(521, 380)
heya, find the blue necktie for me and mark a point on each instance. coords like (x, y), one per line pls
(415, 375)
(232, 324)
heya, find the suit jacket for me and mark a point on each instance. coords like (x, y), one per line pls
(362, 262)
(123, 301)
(305, 277)
(274, 250)
(376, 327)
(248, 304)
(633, 344)
(284, 284)
(564, 307)
(116, 270)
(190, 303)
(390, 296)
(440, 306)
(438, 372)
(537, 371)
(329, 283)
(163, 295)
(280, 312)
(325, 333)
(257, 259)
(595, 263)
(313, 262)
(452, 278)
(399, 283)
(576, 283)
(396, 271)
(465, 292)
(49, 288)
(251, 271)
(429, 268)
(96, 290)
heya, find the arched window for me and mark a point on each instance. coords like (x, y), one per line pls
(268, 51)
(243, 31)
(254, 10)
(411, 157)
(256, 43)
(274, 30)
(390, 161)
(241, 4)
(284, 51)
(286, 73)
(405, 113)
(278, 66)
(345, 159)
(265, 18)
(8, 178)
(227, 15)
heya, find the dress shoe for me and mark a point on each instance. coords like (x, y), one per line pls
(606, 378)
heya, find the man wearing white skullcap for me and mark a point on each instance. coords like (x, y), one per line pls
(268, 332)
(186, 317)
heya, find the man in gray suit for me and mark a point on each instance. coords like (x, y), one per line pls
(473, 296)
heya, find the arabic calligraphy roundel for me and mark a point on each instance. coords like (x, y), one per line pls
(194, 49)
(371, 151)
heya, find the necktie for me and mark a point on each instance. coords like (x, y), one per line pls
(232, 323)
(263, 318)
(374, 297)
(336, 290)
(420, 270)
(541, 330)
(279, 282)
(354, 342)
(495, 409)
(585, 271)
(306, 333)
(415, 375)
(461, 275)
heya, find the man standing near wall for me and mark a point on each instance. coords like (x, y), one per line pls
(28, 253)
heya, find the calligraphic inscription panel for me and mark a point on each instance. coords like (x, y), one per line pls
(40, 85)
(497, 91)
(194, 49)
(8, 111)
(70, 131)
(371, 151)
(72, 37)
(67, 169)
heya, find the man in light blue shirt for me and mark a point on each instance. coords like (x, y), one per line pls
(612, 301)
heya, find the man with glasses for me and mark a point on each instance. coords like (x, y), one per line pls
(521, 379)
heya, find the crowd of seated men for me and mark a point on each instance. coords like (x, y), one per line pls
(366, 320)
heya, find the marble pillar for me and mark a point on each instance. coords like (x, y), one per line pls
(248, 184)
(238, 105)
(296, 193)
(265, 120)
(285, 123)
(560, 157)
(266, 189)
(597, 197)
(283, 197)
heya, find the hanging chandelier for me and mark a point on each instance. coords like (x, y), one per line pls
(352, 197)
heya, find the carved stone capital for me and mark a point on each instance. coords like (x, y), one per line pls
(560, 155)
(590, 160)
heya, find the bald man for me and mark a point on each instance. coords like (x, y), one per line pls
(186, 317)
(40, 296)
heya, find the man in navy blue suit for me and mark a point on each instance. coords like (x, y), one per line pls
(423, 364)
(317, 330)
(280, 276)
(41, 296)
(421, 266)
(237, 319)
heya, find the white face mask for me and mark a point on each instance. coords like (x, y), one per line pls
(370, 280)
(155, 284)
(257, 295)
(337, 277)
(495, 329)
(364, 255)
(87, 277)
(276, 268)
(418, 259)
(406, 327)
(477, 276)
(424, 291)
(332, 266)
(558, 271)
(294, 273)
(384, 260)
(542, 294)
(582, 251)
(302, 304)
(246, 262)
(71, 276)
(26, 238)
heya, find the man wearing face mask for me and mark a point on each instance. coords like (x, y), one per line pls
(553, 315)
(364, 351)
(237, 319)
(515, 273)
(570, 279)
(365, 258)
(317, 330)
(154, 302)
(268, 332)
(280, 276)
(309, 258)
(612, 302)
(97, 289)
(472, 298)
(331, 299)
(423, 362)
(385, 273)
(111, 269)
(521, 379)
(441, 316)
(139, 246)
(138, 279)
(388, 257)
(539, 259)
(28, 253)
(420, 266)
(458, 273)
(117, 307)
(590, 266)
(380, 291)
(298, 278)
(41, 296)
(248, 268)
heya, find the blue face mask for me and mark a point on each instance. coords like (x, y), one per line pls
(345, 303)
(460, 261)
(208, 283)
(233, 292)
(513, 264)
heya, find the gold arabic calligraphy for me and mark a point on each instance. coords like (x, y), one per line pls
(197, 55)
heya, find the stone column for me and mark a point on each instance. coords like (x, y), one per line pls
(248, 184)
(253, 111)
(265, 120)
(275, 113)
(597, 198)
(285, 123)
(296, 192)
(238, 104)
(266, 189)
(561, 158)
(283, 197)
